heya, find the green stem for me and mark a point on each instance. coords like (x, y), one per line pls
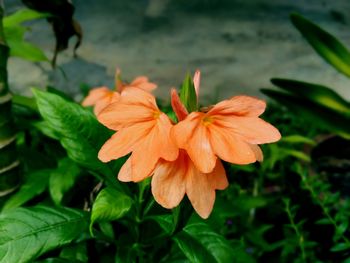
(9, 164)
(295, 228)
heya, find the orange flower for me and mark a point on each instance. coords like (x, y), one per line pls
(142, 129)
(102, 96)
(230, 130)
(171, 180)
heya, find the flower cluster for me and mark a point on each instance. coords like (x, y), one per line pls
(183, 157)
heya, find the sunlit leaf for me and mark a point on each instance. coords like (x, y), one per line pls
(316, 93)
(21, 16)
(109, 205)
(37, 230)
(188, 94)
(326, 45)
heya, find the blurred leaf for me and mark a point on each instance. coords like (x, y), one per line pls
(317, 115)
(35, 184)
(316, 93)
(109, 205)
(62, 179)
(201, 244)
(79, 131)
(27, 233)
(326, 45)
(324, 221)
(188, 94)
(75, 253)
(340, 247)
(21, 16)
(294, 153)
(297, 139)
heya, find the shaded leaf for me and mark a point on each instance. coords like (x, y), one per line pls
(62, 179)
(35, 184)
(297, 139)
(37, 230)
(109, 205)
(326, 45)
(340, 247)
(188, 94)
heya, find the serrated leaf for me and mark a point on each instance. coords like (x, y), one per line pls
(78, 130)
(188, 94)
(316, 114)
(201, 244)
(27, 233)
(109, 205)
(35, 184)
(326, 45)
(316, 93)
(62, 179)
(340, 247)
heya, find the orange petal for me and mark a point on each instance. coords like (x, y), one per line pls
(131, 95)
(119, 115)
(179, 109)
(168, 149)
(239, 106)
(257, 151)
(123, 142)
(253, 129)
(168, 183)
(143, 83)
(197, 82)
(200, 192)
(124, 174)
(183, 131)
(95, 95)
(104, 102)
(230, 147)
(217, 178)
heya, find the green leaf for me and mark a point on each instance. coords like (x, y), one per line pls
(324, 221)
(201, 244)
(109, 205)
(35, 184)
(21, 16)
(75, 253)
(78, 131)
(188, 94)
(317, 115)
(316, 93)
(326, 45)
(166, 222)
(27, 233)
(62, 179)
(297, 139)
(294, 153)
(340, 247)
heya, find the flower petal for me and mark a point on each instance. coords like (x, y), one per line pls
(239, 106)
(95, 95)
(168, 183)
(200, 192)
(104, 102)
(257, 151)
(132, 95)
(184, 130)
(120, 115)
(217, 178)
(124, 174)
(179, 109)
(254, 130)
(230, 147)
(143, 83)
(169, 150)
(123, 142)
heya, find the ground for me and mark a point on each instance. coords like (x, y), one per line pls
(238, 45)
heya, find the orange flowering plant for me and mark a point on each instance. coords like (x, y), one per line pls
(183, 157)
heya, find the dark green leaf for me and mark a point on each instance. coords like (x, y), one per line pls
(188, 94)
(37, 230)
(316, 93)
(75, 253)
(324, 221)
(62, 179)
(340, 247)
(166, 222)
(326, 45)
(35, 184)
(109, 205)
(297, 139)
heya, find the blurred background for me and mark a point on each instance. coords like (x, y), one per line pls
(238, 45)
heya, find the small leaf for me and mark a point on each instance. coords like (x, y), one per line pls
(340, 247)
(21, 16)
(188, 94)
(166, 222)
(324, 221)
(35, 184)
(62, 179)
(109, 205)
(326, 45)
(37, 230)
(297, 139)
